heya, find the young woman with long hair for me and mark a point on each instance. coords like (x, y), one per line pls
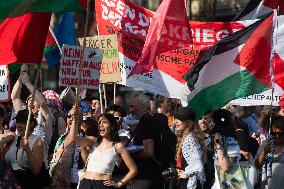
(191, 151)
(105, 152)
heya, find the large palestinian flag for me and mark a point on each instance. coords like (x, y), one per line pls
(258, 8)
(236, 67)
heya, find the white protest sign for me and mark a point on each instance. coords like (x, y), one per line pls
(4, 84)
(70, 66)
(263, 98)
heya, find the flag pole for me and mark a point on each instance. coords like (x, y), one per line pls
(105, 95)
(83, 53)
(114, 92)
(267, 167)
(190, 17)
(40, 78)
(30, 107)
(101, 99)
(273, 66)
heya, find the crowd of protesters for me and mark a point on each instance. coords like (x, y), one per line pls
(137, 146)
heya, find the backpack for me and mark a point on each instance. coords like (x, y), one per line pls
(165, 143)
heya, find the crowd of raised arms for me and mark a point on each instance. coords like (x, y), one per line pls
(137, 143)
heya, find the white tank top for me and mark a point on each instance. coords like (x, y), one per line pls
(102, 162)
(17, 157)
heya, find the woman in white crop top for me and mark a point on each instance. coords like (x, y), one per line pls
(105, 152)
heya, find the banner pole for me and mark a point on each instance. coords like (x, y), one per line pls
(32, 102)
(105, 95)
(82, 59)
(40, 78)
(101, 99)
(83, 53)
(114, 92)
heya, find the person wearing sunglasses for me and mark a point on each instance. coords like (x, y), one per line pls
(277, 132)
(118, 113)
(66, 154)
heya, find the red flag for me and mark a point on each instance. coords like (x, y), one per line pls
(23, 38)
(168, 30)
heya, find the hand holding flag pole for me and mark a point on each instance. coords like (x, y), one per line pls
(30, 107)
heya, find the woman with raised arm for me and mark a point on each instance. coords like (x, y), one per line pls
(105, 152)
(65, 154)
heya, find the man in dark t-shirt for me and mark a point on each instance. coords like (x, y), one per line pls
(148, 176)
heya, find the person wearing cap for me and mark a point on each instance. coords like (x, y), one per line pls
(127, 132)
(40, 108)
(191, 153)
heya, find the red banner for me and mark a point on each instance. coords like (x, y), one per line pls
(131, 23)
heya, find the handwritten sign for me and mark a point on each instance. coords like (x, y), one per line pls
(70, 66)
(110, 71)
(4, 84)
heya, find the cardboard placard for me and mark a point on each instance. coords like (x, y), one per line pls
(70, 66)
(110, 71)
(4, 84)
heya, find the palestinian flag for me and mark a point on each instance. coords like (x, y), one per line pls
(257, 8)
(13, 8)
(63, 32)
(236, 67)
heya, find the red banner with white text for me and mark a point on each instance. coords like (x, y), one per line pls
(131, 23)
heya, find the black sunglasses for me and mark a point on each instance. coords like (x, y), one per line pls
(117, 118)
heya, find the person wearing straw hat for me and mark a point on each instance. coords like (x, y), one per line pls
(40, 109)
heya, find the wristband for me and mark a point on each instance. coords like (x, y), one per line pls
(121, 183)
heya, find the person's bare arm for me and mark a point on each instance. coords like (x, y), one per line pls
(245, 154)
(61, 126)
(129, 164)
(223, 161)
(38, 96)
(86, 142)
(6, 139)
(16, 91)
(34, 155)
(148, 150)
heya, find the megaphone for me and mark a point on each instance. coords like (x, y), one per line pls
(67, 96)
